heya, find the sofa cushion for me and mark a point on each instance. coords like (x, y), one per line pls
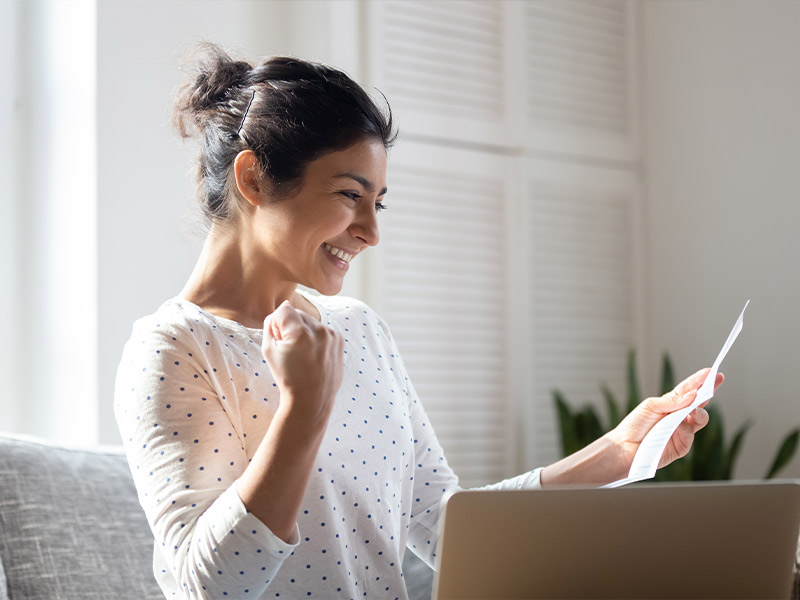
(3, 588)
(71, 525)
(418, 577)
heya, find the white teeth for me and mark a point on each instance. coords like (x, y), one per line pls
(338, 253)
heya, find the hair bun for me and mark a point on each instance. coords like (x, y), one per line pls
(217, 74)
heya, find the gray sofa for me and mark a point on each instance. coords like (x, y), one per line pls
(71, 527)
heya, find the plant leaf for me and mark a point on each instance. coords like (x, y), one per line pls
(667, 375)
(679, 470)
(707, 463)
(734, 449)
(633, 382)
(785, 453)
(614, 416)
(589, 428)
(566, 421)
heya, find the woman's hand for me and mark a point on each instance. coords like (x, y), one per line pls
(633, 428)
(609, 458)
(306, 360)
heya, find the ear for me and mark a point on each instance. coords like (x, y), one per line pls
(248, 177)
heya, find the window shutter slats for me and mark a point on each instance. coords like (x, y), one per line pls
(582, 297)
(443, 252)
(492, 311)
(578, 74)
(442, 63)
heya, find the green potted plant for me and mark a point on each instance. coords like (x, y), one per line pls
(711, 456)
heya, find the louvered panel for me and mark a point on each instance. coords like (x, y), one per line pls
(582, 298)
(441, 283)
(441, 60)
(469, 345)
(445, 277)
(463, 449)
(578, 65)
(434, 223)
(422, 311)
(467, 245)
(454, 405)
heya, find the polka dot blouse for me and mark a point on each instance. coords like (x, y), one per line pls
(193, 399)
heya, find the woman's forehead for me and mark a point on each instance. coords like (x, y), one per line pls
(364, 163)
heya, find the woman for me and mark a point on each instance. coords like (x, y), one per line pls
(275, 439)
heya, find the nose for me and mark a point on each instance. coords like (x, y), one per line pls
(365, 227)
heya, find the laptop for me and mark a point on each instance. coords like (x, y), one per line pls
(709, 540)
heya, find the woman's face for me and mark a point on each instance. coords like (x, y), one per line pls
(314, 234)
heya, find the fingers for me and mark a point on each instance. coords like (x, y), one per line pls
(305, 358)
(682, 396)
(697, 419)
(672, 401)
(719, 380)
(285, 323)
(683, 437)
(686, 391)
(692, 382)
(696, 380)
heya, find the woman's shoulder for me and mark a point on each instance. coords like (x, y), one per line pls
(335, 303)
(171, 324)
(350, 311)
(343, 306)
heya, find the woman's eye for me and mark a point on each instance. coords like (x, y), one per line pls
(352, 195)
(379, 206)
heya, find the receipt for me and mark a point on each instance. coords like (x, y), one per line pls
(645, 462)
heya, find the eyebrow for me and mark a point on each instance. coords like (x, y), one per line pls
(366, 183)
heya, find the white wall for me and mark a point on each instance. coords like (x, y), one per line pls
(149, 231)
(721, 86)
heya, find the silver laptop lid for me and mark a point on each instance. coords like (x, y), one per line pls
(711, 540)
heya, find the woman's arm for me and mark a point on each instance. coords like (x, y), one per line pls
(609, 458)
(186, 454)
(305, 358)
(220, 521)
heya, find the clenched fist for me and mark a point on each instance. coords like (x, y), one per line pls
(306, 359)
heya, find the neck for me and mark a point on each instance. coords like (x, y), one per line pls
(233, 281)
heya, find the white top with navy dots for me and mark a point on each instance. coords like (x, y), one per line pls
(193, 400)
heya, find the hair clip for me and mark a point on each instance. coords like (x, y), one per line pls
(246, 110)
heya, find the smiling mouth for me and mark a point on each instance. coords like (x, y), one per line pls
(338, 253)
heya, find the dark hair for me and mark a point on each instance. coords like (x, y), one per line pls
(288, 111)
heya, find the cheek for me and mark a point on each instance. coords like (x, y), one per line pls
(333, 221)
(311, 224)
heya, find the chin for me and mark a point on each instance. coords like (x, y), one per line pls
(330, 288)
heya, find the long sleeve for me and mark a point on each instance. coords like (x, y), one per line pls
(185, 455)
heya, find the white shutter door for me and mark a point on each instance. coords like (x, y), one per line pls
(440, 279)
(580, 74)
(520, 80)
(583, 274)
(442, 64)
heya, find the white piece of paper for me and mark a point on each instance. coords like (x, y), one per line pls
(645, 462)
